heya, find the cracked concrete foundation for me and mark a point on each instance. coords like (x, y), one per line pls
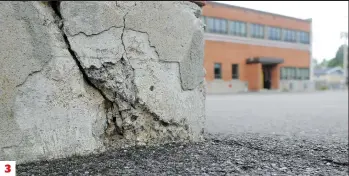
(81, 77)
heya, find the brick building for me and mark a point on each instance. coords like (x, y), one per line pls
(254, 50)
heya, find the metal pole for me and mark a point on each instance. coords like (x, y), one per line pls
(311, 68)
(345, 61)
(344, 35)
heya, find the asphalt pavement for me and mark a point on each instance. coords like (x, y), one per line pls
(246, 134)
(312, 115)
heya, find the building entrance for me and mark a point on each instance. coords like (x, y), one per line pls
(262, 73)
(267, 78)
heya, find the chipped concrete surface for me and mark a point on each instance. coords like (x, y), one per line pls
(177, 43)
(306, 135)
(48, 110)
(131, 74)
(90, 17)
(93, 75)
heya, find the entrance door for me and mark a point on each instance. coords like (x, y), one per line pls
(266, 76)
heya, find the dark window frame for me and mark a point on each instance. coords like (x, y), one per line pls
(217, 75)
(235, 75)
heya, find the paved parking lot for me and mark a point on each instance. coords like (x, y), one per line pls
(315, 115)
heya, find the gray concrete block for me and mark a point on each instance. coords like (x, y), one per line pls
(80, 77)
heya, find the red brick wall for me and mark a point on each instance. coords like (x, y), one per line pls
(275, 75)
(228, 53)
(232, 53)
(232, 13)
(254, 76)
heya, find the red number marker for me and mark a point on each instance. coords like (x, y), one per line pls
(8, 168)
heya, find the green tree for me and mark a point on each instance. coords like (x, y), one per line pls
(338, 60)
(324, 63)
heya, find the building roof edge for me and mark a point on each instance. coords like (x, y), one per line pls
(309, 20)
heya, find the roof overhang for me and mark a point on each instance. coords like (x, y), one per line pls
(265, 60)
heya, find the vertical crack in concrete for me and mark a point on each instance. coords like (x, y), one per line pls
(108, 104)
(122, 34)
(123, 123)
(55, 6)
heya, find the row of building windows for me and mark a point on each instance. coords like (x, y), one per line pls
(274, 33)
(239, 28)
(216, 25)
(294, 73)
(304, 37)
(286, 73)
(218, 71)
(257, 31)
(290, 35)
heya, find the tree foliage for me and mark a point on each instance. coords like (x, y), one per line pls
(338, 60)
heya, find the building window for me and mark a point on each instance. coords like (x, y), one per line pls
(274, 33)
(209, 24)
(235, 71)
(216, 25)
(291, 73)
(288, 73)
(257, 31)
(290, 35)
(307, 74)
(299, 73)
(304, 73)
(237, 28)
(304, 37)
(283, 73)
(217, 71)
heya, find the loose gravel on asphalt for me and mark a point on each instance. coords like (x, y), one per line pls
(299, 134)
(249, 154)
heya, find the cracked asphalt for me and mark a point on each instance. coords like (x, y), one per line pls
(250, 134)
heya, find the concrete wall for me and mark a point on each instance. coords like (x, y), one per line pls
(297, 85)
(81, 77)
(334, 78)
(220, 86)
(330, 83)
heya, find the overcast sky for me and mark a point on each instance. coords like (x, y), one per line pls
(329, 19)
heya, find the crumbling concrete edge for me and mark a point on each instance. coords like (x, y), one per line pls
(109, 104)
